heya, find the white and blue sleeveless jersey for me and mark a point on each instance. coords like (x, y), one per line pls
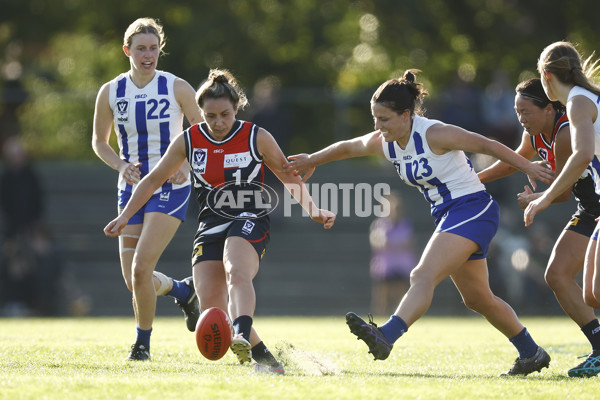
(145, 120)
(595, 164)
(441, 178)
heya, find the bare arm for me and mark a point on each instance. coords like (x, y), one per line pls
(103, 121)
(168, 164)
(582, 114)
(305, 164)
(500, 169)
(274, 159)
(443, 138)
(185, 96)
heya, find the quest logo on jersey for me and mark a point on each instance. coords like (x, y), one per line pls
(233, 200)
(123, 110)
(238, 160)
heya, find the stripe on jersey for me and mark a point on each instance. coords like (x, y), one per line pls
(124, 141)
(162, 85)
(252, 141)
(418, 143)
(392, 150)
(165, 137)
(442, 189)
(142, 129)
(121, 85)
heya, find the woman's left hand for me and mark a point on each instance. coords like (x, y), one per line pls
(180, 176)
(325, 217)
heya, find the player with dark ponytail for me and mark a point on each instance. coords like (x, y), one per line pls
(430, 155)
(546, 134)
(227, 156)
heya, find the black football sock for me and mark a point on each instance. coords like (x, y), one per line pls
(262, 355)
(243, 325)
(591, 330)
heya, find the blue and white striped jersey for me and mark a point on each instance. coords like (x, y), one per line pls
(595, 164)
(440, 178)
(145, 120)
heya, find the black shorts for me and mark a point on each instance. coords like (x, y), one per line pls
(582, 222)
(210, 240)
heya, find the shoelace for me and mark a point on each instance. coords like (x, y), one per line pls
(373, 324)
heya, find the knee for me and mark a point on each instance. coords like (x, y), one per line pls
(553, 278)
(141, 275)
(237, 275)
(420, 276)
(479, 303)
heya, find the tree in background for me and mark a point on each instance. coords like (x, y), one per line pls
(327, 54)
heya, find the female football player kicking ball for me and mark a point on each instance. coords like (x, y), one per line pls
(430, 155)
(226, 156)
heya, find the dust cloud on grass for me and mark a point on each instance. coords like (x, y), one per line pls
(301, 362)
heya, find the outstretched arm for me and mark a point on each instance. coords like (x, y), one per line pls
(305, 164)
(171, 162)
(500, 169)
(274, 159)
(443, 138)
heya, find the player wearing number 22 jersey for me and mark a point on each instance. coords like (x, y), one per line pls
(228, 177)
(459, 202)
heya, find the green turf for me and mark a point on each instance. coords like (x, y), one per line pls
(439, 358)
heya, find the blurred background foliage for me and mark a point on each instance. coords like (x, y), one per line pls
(322, 58)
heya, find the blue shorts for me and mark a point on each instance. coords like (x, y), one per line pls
(172, 202)
(474, 216)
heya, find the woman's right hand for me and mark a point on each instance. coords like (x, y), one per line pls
(114, 227)
(300, 164)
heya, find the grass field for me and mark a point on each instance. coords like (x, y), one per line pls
(439, 358)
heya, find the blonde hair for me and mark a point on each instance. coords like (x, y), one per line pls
(222, 84)
(564, 61)
(145, 25)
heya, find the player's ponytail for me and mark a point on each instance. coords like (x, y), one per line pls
(402, 94)
(564, 61)
(222, 84)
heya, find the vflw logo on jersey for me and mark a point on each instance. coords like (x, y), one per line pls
(123, 110)
(199, 160)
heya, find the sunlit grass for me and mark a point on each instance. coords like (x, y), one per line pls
(442, 358)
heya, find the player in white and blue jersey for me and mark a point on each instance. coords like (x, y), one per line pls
(567, 79)
(430, 155)
(146, 108)
(547, 134)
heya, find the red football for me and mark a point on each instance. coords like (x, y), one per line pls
(213, 333)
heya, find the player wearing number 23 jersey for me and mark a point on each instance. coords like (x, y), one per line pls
(457, 197)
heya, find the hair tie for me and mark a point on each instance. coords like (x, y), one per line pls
(536, 98)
